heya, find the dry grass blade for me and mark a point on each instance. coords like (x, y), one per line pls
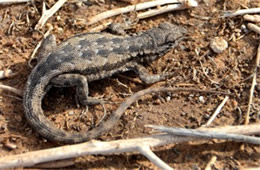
(138, 7)
(216, 112)
(211, 163)
(8, 2)
(206, 134)
(7, 74)
(254, 28)
(241, 12)
(46, 14)
(11, 89)
(252, 18)
(252, 89)
(161, 10)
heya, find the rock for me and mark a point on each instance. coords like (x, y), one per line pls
(218, 44)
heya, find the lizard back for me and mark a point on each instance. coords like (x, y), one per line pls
(95, 55)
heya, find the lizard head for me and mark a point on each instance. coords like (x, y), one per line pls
(165, 37)
(169, 33)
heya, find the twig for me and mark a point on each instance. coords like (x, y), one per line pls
(241, 12)
(204, 72)
(252, 89)
(46, 14)
(100, 27)
(254, 28)
(252, 168)
(7, 74)
(217, 111)
(138, 7)
(56, 164)
(206, 134)
(11, 89)
(161, 10)
(252, 18)
(103, 148)
(128, 1)
(12, 96)
(211, 162)
(146, 151)
(8, 2)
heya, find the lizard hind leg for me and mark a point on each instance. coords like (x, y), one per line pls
(82, 91)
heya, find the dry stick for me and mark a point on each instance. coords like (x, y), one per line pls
(56, 164)
(11, 89)
(7, 2)
(46, 14)
(252, 89)
(199, 133)
(104, 148)
(100, 27)
(161, 10)
(252, 18)
(241, 12)
(252, 168)
(254, 28)
(211, 163)
(146, 151)
(7, 74)
(216, 112)
(138, 7)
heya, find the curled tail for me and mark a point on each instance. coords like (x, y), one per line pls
(35, 90)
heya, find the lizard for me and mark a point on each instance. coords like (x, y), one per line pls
(88, 57)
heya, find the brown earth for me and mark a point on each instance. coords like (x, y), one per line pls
(227, 71)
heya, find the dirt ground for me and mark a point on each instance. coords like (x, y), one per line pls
(194, 63)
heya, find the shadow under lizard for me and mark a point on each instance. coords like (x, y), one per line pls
(88, 57)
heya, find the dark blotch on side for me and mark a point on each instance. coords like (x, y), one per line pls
(117, 40)
(67, 49)
(103, 53)
(119, 50)
(134, 48)
(40, 69)
(84, 43)
(102, 40)
(88, 55)
(145, 47)
(55, 66)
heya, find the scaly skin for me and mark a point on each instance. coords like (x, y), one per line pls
(88, 57)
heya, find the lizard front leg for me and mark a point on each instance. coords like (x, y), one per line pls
(146, 77)
(81, 83)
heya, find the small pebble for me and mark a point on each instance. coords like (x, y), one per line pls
(218, 45)
(71, 112)
(201, 99)
(168, 98)
(60, 30)
(58, 18)
(183, 113)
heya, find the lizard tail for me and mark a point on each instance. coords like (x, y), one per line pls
(35, 90)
